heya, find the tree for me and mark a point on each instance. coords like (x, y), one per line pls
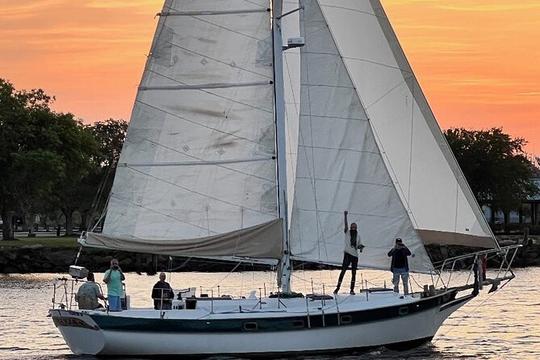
(27, 168)
(78, 150)
(495, 166)
(95, 187)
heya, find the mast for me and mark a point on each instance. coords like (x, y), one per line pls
(284, 274)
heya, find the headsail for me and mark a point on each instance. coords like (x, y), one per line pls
(198, 163)
(370, 144)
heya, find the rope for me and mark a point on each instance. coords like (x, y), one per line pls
(226, 276)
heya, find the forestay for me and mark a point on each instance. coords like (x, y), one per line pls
(340, 166)
(198, 164)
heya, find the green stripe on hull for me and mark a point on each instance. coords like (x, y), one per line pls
(118, 323)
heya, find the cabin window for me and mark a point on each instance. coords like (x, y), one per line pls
(299, 324)
(404, 310)
(346, 319)
(251, 326)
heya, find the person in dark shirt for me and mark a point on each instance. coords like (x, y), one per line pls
(400, 265)
(162, 294)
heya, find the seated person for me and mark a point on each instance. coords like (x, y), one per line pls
(162, 288)
(88, 294)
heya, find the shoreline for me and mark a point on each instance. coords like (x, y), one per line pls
(35, 257)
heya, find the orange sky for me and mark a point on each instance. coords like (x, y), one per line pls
(478, 61)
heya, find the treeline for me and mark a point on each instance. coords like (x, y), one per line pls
(51, 164)
(496, 167)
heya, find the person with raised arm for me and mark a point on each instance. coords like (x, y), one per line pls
(353, 244)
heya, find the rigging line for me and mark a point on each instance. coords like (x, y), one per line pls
(456, 212)
(198, 193)
(296, 116)
(342, 149)
(220, 61)
(411, 143)
(351, 213)
(226, 276)
(227, 29)
(355, 10)
(214, 94)
(196, 163)
(256, 4)
(398, 85)
(197, 158)
(348, 181)
(329, 86)
(197, 123)
(205, 86)
(98, 197)
(314, 186)
(378, 63)
(349, 9)
(159, 212)
(211, 12)
(103, 212)
(335, 117)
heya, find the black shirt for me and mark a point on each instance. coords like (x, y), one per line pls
(399, 258)
(168, 295)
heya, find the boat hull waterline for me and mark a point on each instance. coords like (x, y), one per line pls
(139, 336)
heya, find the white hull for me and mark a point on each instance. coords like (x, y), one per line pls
(410, 328)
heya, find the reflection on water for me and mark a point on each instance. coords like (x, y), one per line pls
(502, 325)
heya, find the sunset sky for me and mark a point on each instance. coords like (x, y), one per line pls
(478, 61)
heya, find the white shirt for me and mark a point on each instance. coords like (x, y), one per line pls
(348, 248)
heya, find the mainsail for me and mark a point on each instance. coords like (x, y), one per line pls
(370, 144)
(197, 174)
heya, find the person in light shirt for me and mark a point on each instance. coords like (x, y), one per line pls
(113, 278)
(353, 244)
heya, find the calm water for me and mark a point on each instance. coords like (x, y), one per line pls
(505, 325)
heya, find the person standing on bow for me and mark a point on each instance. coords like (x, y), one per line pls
(113, 278)
(400, 265)
(350, 254)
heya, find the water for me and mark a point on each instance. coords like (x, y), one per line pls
(503, 325)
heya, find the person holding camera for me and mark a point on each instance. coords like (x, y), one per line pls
(400, 265)
(113, 278)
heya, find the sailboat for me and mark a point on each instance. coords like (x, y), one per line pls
(203, 173)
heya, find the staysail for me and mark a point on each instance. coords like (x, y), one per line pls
(369, 144)
(197, 173)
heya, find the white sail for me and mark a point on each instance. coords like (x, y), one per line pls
(198, 162)
(369, 143)
(340, 166)
(424, 170)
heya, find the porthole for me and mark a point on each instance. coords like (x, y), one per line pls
(251, 326)
(346, 319)
(298, 324)
(404, 310)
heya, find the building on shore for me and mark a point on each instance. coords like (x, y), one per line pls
(528, 215)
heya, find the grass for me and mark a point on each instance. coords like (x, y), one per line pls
(52, 242)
